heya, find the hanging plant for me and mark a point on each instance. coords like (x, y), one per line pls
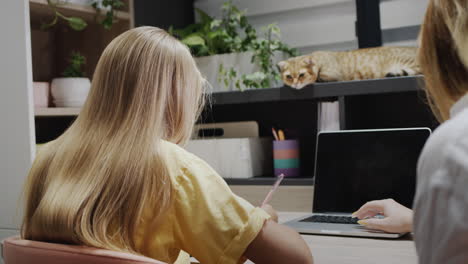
(75, 23)
(111, 6)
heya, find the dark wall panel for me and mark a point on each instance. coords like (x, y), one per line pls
(396, 110)
(163, 14)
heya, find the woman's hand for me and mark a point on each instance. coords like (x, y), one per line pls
(398, 219)
(269, 209)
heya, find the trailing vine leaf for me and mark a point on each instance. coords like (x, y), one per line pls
(77, 23)
(45, 26)
(193, 40)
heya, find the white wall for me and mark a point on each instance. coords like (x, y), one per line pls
(327, 24)
(401, 20)
(305, 24)
(16, 111)
(402, 13)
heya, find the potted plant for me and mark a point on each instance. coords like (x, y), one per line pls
(73, 88)
(230, 54)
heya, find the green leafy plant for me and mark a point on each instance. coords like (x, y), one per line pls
(109, 16)
(265, 50)
(213, 36)
(231, 34)
(74, 69)
(75, 23)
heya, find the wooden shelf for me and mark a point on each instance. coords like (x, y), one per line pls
(321, 91)
(40, 9)
(56, 111)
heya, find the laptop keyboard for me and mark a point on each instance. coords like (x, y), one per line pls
(331, 219)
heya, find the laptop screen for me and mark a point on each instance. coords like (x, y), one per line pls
(354, 167)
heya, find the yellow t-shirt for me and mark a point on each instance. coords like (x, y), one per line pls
(206, 220)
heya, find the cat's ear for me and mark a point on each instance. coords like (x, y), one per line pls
(282, 65)
(308, 61)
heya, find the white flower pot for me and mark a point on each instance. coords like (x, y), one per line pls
(241, 62)
(70, 92)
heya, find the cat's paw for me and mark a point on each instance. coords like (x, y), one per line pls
(392, 74)
(401, 72)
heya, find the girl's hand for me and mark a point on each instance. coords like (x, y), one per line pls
(269, 209)
(398, 219)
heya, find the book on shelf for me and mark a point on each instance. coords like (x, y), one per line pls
(328, 116)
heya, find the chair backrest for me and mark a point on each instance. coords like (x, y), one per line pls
(20, 251)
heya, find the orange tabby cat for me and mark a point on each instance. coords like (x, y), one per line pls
(329, 66)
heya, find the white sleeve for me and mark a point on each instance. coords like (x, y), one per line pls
(441, 207)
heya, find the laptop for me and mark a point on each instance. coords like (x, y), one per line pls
(353, 167)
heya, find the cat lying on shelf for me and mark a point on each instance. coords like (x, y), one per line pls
(329, 66)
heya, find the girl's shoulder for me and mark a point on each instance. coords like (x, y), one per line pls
(182, 163)
(179, 156)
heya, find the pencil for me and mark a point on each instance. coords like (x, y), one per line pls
(273, 189)
(281, 135)
(274, 133)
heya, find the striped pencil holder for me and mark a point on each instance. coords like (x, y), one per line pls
(286, 157)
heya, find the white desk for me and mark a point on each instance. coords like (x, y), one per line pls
(348, 250)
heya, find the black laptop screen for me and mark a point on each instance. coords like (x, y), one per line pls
(355, 167)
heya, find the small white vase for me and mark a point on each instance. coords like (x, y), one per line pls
(70, 92)
(41, 94)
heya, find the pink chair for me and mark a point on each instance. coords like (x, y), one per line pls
(19, 251)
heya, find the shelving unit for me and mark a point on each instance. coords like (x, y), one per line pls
(51, 49)
(368, 104)
(322, 91)
(318, 92)
(40, 9)
(56, 111)
(382, 103)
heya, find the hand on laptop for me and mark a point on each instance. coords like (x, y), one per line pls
(398, 218)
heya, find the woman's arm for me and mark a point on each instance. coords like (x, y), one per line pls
(278, 244)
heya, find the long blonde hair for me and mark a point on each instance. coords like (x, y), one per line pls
(91, 185)
(443, 54)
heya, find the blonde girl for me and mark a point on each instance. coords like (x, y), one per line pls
(118, 179)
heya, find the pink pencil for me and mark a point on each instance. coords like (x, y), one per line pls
(275, 135)
(273, 189)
